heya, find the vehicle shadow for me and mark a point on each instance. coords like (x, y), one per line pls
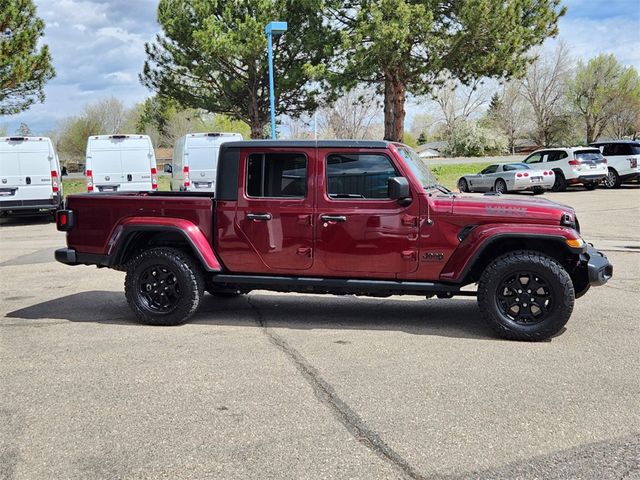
(20, 221)
(457, 318)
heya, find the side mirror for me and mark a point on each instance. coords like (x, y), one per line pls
(399, 189)
(168, 168)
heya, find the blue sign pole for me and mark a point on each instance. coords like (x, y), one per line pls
(272, 95)
(273, 28)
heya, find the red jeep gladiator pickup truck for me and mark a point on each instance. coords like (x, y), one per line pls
(338, 217)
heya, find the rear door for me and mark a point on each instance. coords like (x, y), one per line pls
(274, 213)
(360, 231)
(105, 164)
(137, 159)
(11, 179)
(201, 154)
(35, 168)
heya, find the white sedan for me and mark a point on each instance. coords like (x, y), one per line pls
(507, 177)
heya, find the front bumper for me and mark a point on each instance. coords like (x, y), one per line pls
(598, 267)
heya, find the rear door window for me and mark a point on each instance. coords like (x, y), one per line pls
(359, 175)
(276, 175)
(534, 158)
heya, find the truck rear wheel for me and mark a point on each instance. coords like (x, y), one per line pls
(163, 286)
(525, 295)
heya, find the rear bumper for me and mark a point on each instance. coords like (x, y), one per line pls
(31, 205)
(598, 267)
(588, 178)
(66, 256)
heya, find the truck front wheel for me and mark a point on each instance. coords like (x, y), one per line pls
(525, 295)
(163, 286)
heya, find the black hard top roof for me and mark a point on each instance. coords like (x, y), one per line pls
(606, 142)
(306, 144)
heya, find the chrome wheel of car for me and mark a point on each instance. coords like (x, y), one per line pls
(500, 186)
(612, 180)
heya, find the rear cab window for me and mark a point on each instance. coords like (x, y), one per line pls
(276, 175)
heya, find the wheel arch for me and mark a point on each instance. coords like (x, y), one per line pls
(552, 245)
(134, 238)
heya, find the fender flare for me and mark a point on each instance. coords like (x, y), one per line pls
(480, 238)
(123, 232)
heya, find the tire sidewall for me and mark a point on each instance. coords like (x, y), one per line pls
(187, 275)
(463, 185)
(503, 183)
(561, 290)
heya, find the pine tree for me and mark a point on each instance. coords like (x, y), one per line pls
(25, 67)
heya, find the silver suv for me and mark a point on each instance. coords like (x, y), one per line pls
(574, 165)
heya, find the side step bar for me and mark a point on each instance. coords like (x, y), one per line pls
(338, 286)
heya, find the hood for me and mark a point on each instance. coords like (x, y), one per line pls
(510, 208)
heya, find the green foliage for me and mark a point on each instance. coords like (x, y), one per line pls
(24, 67)
(409, 140)
(599, 89)
(448, 175)
(405, 46)
(470, 140)
(422, 138)
(212, 57)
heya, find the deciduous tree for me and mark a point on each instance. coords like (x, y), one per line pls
(25, 66)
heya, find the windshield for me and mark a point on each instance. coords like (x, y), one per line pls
(417, 166)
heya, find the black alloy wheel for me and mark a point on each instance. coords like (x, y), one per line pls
(524, 297)
(158, 289)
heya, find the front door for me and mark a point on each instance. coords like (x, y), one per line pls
(360, 231)
(274, 216)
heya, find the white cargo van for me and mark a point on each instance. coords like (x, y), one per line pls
(118, 163)
(29, 176)
(195, 160)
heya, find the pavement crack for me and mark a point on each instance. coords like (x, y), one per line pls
(328, 396)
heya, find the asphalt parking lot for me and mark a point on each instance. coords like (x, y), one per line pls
(293, 386)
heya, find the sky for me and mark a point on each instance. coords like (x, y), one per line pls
(98, 49)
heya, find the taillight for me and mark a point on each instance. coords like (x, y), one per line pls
(89, 181)
(518, 175)
(551, 172)
(574, 163)
(154, 179)
(55, 185)
(64, 220)
(187, 181)
(545, 173)
(525, 174)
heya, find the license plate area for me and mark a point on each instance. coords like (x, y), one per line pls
(107, 189)
(202, 184)
(7, 192)
(536, 179)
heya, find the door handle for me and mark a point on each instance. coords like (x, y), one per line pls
(259, 216)
(333, 218)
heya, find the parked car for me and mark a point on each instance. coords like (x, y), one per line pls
(195, 160)
(120, 163)
(337, 217)
(29, 176)
(507, 177)
(622, 161)
(571, 166)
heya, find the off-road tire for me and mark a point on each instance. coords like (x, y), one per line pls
(501, 186)
(543, 267)
(188, 277)
(613, 180)
(463, 185)
(560, 183)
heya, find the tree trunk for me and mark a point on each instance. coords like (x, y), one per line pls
(394, 113)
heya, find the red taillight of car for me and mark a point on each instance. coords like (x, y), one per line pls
(154, 179)
(89, 181)
(574, 163)
(55, 185)
(633, 162)
(545, 173)
(518, 175)
(64, 220)
(525, 174)
(187, 181)
(551, 172)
